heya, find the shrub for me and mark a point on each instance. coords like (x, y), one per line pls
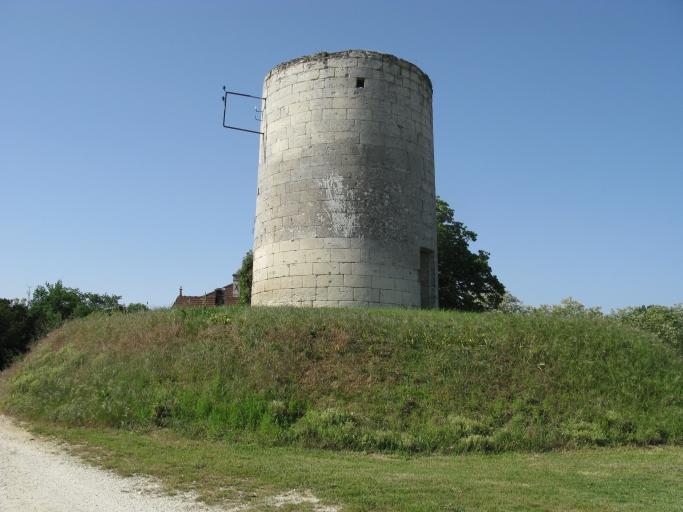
(245, 274)
(664, 322)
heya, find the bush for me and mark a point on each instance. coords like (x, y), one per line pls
(666, 323)
(568, 308)
(245, 274)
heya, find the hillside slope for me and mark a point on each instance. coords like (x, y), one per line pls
(357, 379)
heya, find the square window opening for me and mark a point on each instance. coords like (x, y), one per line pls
(360, 83)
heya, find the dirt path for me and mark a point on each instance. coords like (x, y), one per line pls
(37, 475)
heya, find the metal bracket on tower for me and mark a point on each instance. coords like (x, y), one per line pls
(225, 106)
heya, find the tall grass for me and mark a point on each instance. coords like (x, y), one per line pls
(417, 381)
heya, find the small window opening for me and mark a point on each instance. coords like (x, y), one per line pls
(220, 296)
(360, 83)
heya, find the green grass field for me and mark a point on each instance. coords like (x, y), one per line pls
(243, 474)
(367, 409)
(396, 381)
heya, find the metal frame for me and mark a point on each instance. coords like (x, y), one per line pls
(225, 106)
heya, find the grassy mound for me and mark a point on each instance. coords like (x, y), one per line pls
(357, 379)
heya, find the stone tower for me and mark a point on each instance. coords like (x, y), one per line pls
(345, 208)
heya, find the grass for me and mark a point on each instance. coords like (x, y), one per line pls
(367, 409)
(246, 475)
(368, 380)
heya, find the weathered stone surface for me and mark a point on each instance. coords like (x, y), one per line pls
(345, 203)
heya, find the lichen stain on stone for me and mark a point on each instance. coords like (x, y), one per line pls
(337, 205)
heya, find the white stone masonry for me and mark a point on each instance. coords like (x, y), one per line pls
(345, 210)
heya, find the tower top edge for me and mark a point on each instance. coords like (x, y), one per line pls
(350, 54)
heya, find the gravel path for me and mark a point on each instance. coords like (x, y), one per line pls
(37, 475)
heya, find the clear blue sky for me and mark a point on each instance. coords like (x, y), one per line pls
(558, 130)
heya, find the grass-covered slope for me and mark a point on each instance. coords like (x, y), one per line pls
(357, 379)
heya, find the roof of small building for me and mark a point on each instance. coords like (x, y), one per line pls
(208, 300)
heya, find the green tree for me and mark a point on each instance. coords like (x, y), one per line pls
(48, 308)
(136, 307)
(17, 329)
(245, 274)
(466, 281)
(58, 303)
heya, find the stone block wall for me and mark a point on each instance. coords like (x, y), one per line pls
(345, 210)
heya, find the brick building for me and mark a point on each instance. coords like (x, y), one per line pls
(225, 296)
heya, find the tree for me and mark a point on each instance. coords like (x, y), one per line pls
(136, 307)
(466, 281)
(17, 328)
(58, 303)
(22, 321)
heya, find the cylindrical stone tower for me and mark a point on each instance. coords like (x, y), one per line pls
(346, 207)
